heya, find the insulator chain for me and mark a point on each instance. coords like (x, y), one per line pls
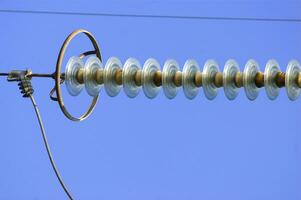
(93, 75)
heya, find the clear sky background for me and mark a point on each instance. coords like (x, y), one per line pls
(133, 149)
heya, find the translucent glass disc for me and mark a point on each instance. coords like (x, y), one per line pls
(73, 86)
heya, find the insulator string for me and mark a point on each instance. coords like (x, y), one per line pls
(133, 77)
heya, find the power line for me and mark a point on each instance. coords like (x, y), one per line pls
(45, 12)
(56, 171)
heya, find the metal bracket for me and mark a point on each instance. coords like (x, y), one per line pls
(18, 75)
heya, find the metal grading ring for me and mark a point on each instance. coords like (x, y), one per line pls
(92, 65)
(230, 71)
(270, 73)
(130, 68)
(58, 76)
(291, 75)
(111, 87)
(73, 86)
(209, 72)
(151, 66)
(191, 67)
(169, 71)
(250, 72)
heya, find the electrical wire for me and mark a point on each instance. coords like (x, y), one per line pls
(48, 148)
(296, 20)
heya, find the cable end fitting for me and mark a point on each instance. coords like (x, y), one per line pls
(24, 81)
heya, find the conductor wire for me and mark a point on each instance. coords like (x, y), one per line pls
(48, 12)
(48, 148)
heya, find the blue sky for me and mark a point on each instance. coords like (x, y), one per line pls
(151, 149)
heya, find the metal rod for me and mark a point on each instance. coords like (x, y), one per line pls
(42, 75)
(33, 75)
(158, 78)
(80, 76)
(198, 79)
(4, 74)
(87, 53)
(138, 80)
(218, 79)
(280, 79)
(118, 76)
(178, 79)
(238, 80)
(259, 79)
(299, 80)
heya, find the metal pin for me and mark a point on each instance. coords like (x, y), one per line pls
(239, 80)
(178, 79)
(218, 79)
(118, 76)
(299, 80)
(80, 75)
(158, 78)
(280, 79)
(259, 79)
(138, 75)
(198, 79)
(98, 76)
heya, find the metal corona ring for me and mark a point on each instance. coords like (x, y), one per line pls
(149, 78)
(58, 75)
